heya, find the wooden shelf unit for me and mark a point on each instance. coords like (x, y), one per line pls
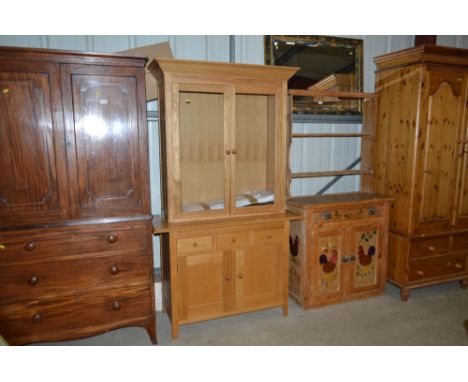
(223, 226)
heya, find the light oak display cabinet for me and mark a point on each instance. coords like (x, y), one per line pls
(223, 150)
(421, 160)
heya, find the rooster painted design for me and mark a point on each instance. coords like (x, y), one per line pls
(366, 259)
(328, 264)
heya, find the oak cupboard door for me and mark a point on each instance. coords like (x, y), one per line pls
(258, 274)
(33, 176)
(365, 258)
(105, 135)
(439, 147)
(205, 285)
(327, 271)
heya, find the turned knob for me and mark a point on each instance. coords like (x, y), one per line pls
(29, 246)
(112, 238)
(228, 152)
(36, 318)
(33, 280)
(458, 265)
(234, 240)
(116, 305)
(420, 273)
(114, 269)
(195, 244)
(228, 278)
(234, 151)
(240, 276)
(431, 248)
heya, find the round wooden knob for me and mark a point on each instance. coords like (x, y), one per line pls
(116, 305)
(36, 318)
(458, 266)
(240, 276)
(228, 152)
(112, 238)
(420, 273)
(195, 244)
(431, 248)
(234, 240)
(114, 269)
(228, 278)
(33, 280)
(234, 151)
(29, 246)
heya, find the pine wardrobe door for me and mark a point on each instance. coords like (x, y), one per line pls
(107, 137)
(32, 151)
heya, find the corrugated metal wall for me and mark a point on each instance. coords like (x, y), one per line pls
(248, 49)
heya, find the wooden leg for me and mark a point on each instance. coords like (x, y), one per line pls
(151, 329)
(404, 294)
(464, 284)
(285, 309)
(175, 330)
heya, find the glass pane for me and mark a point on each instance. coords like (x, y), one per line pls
(255, 150)
(201, 129)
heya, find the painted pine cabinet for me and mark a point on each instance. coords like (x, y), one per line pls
(421, 160)
(338, 252)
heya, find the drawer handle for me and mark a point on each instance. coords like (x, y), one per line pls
(228, 278)
(33, 280)
(234, 151)
(269, 236)
(420, 273)
(116, 305)
(112, 238)
(29, 246)
(195, 244)
(114, 269)
(240, 276)
(458, 266)
(228, 152)
(431, 248)
(2, 247)
(234, 240)
(326, 216)
(36, 318)
(371, 211)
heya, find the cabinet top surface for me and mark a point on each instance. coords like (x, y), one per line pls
(222, 68)
(70, 56)
(325, 200)
(162, 226)
(432, 54)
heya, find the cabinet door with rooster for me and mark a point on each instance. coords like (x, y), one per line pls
(326, 268)
(365, 257)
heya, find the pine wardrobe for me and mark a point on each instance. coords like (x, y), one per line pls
(224, 227)
(422, 162)
(75, 223)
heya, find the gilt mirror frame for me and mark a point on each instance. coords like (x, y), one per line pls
(284, 50)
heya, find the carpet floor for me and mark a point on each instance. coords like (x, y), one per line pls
(436, 315)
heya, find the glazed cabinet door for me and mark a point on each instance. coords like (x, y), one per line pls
(439, 150)
(255, 141)
(33, 185)
(326, 268)
(364, 254)
(258, 275)
(200, 155)
(106, 139)
(204, 285)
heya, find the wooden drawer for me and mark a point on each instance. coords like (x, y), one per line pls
(347, 214)
(275, 235)
(437, 267)
(194, 244)
(72, 316)
(232, 239)
(45, 243)
(431, 246)
(20, 282)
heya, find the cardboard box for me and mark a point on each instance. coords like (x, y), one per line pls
(162, 50)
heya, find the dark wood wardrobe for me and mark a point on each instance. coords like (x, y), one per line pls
(75, 223)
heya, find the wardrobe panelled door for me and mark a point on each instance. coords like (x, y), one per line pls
(75, 234)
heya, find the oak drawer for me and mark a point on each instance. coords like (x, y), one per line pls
(430, 246)
(35, 280)
(194, 244)
(71, 316)
(437, 267)
(347, 214)
(36, 244)
(232, 239)
(275, 235)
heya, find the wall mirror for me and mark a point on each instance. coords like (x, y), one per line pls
(327, 64)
